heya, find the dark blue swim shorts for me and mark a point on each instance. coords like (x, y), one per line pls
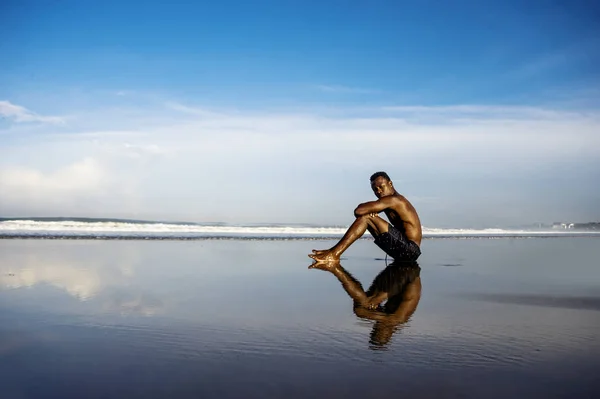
(395, 243)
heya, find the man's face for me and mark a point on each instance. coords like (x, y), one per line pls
(382, 187)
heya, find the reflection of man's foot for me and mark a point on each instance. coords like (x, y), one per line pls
(324, 256)
(327, 266)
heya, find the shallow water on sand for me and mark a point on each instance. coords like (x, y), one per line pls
(240, 318)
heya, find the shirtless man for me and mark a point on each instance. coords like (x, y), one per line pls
(400, 238)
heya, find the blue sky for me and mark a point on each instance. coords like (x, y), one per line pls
(483, 113)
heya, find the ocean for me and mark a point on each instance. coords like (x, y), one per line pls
(140, 311)
(87, 228)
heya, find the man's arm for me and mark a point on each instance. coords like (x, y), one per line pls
(375, 206)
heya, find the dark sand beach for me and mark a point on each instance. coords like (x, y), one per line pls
(496, 318)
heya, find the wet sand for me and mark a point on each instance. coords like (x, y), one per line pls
(243, 318)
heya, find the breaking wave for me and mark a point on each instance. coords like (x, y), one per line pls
(126, 229)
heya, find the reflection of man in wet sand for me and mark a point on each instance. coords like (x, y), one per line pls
(400, 238)
(399, 284)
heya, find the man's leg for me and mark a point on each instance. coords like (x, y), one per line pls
(373, 223)
(398, 246)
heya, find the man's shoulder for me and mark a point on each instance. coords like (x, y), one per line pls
(399, 198)
(399, 202)
(395, 202)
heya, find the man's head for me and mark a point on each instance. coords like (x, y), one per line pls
(381, 184)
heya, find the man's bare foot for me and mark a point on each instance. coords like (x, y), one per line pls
(319, 251)
(326, 266)
(325, 256)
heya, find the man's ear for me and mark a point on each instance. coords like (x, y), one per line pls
(391, 184)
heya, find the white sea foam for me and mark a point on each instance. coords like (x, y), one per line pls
(118, 229)
(126, 229)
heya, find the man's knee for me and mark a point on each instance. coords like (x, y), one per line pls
(371, 221)
(364, 218)
(378, 224)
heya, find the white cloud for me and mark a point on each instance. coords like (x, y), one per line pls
(85, 177)
(464, 131)
(141, 150)
(192, 163)
(22, 114)
(80, 186)
(450, 113)
(175, 106)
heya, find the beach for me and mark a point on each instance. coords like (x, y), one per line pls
(516, 317)
(169, 172)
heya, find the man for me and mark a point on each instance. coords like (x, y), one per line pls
(400, 238)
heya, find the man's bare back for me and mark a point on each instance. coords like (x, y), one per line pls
(403, 240)
(403, 215)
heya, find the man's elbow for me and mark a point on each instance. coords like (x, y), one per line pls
(358, 212)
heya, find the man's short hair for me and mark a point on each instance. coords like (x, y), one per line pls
(380, 174)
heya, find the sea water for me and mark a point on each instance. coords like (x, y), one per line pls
(516, 317)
